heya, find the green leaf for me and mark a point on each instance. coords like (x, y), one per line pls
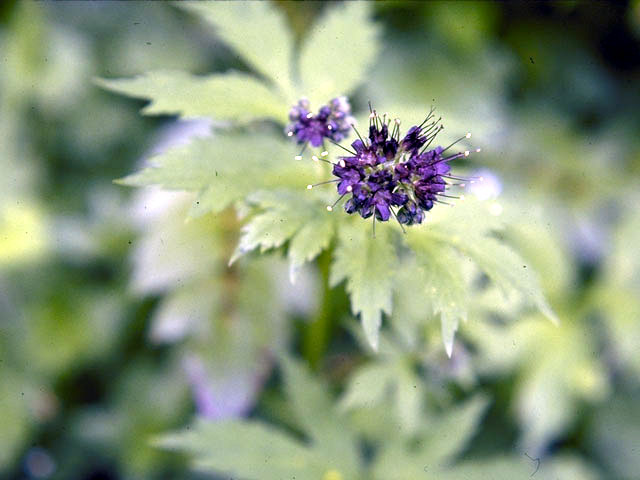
(437, 446)
(337, 52)
(317, 415)
(368, 385)
(508, 271)
(231, 96)
(443, 282)
(257, 31)
(367, 264)
(371, 384)
(448, 434)
(253, 450)
(314, 237)
(224, 169)
(286, 215)
(249, 450)
(468, 229)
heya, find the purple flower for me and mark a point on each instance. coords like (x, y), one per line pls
(386, 172)
(333, 121)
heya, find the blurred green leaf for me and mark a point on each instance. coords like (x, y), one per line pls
(233, 96)
(257, 31)
(337, 52)
(437, 445)
(316, 413)
(254, 450)
(218, 168)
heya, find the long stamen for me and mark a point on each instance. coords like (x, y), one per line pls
(331, 207)
(401, 226)
(438, 130)
(428, 117)
(374, 222)
(468, 135)
(344, 148)
(299, 156)
(358, 133)
(312, 185)
(315, 158)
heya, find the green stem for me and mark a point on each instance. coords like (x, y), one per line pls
(316, 336)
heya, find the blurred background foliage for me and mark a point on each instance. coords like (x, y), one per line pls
(118, 321)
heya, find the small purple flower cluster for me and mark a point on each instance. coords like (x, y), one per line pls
(386, 171)
(385, 174)
(333, 121)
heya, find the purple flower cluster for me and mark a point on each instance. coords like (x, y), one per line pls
(386, 172)
(333, 121)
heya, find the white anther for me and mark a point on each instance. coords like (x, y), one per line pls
(329, 127)
(481, 179)
(298, 157)
(341, 163)
(372, 115)
(466, 153)
(309, 187)
(461, 197)
(478, 149)
(397, 121)
(324, 154)
(309, 115)
(329, 208)
(468, 135)
(290, 134)
(349, 188)
(314, 158)
(462, 185)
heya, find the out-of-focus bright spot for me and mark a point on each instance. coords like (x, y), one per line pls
(332, 475)
(486, 189)
(495, 209)
(590, 381)
(23, 235)
(38, 463)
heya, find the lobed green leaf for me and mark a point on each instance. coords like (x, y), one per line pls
(367, 264)
(233, 96)
(337, 52)
(258, 32)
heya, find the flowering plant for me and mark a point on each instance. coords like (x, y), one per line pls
(248, 166)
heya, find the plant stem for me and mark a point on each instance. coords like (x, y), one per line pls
(317, 333)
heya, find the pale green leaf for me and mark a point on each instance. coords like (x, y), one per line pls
(436, 447)
(368, 385)
(367, 264)
(447, 435)
(224, 169)
(258, 31)
(508, 271)
(314, 237)
(469, 228)
(315, 412)
(443, 283)
(337, 52)
(249, 450)
(299, 217)
(233, 96)
(409, 396)
(389, 380)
